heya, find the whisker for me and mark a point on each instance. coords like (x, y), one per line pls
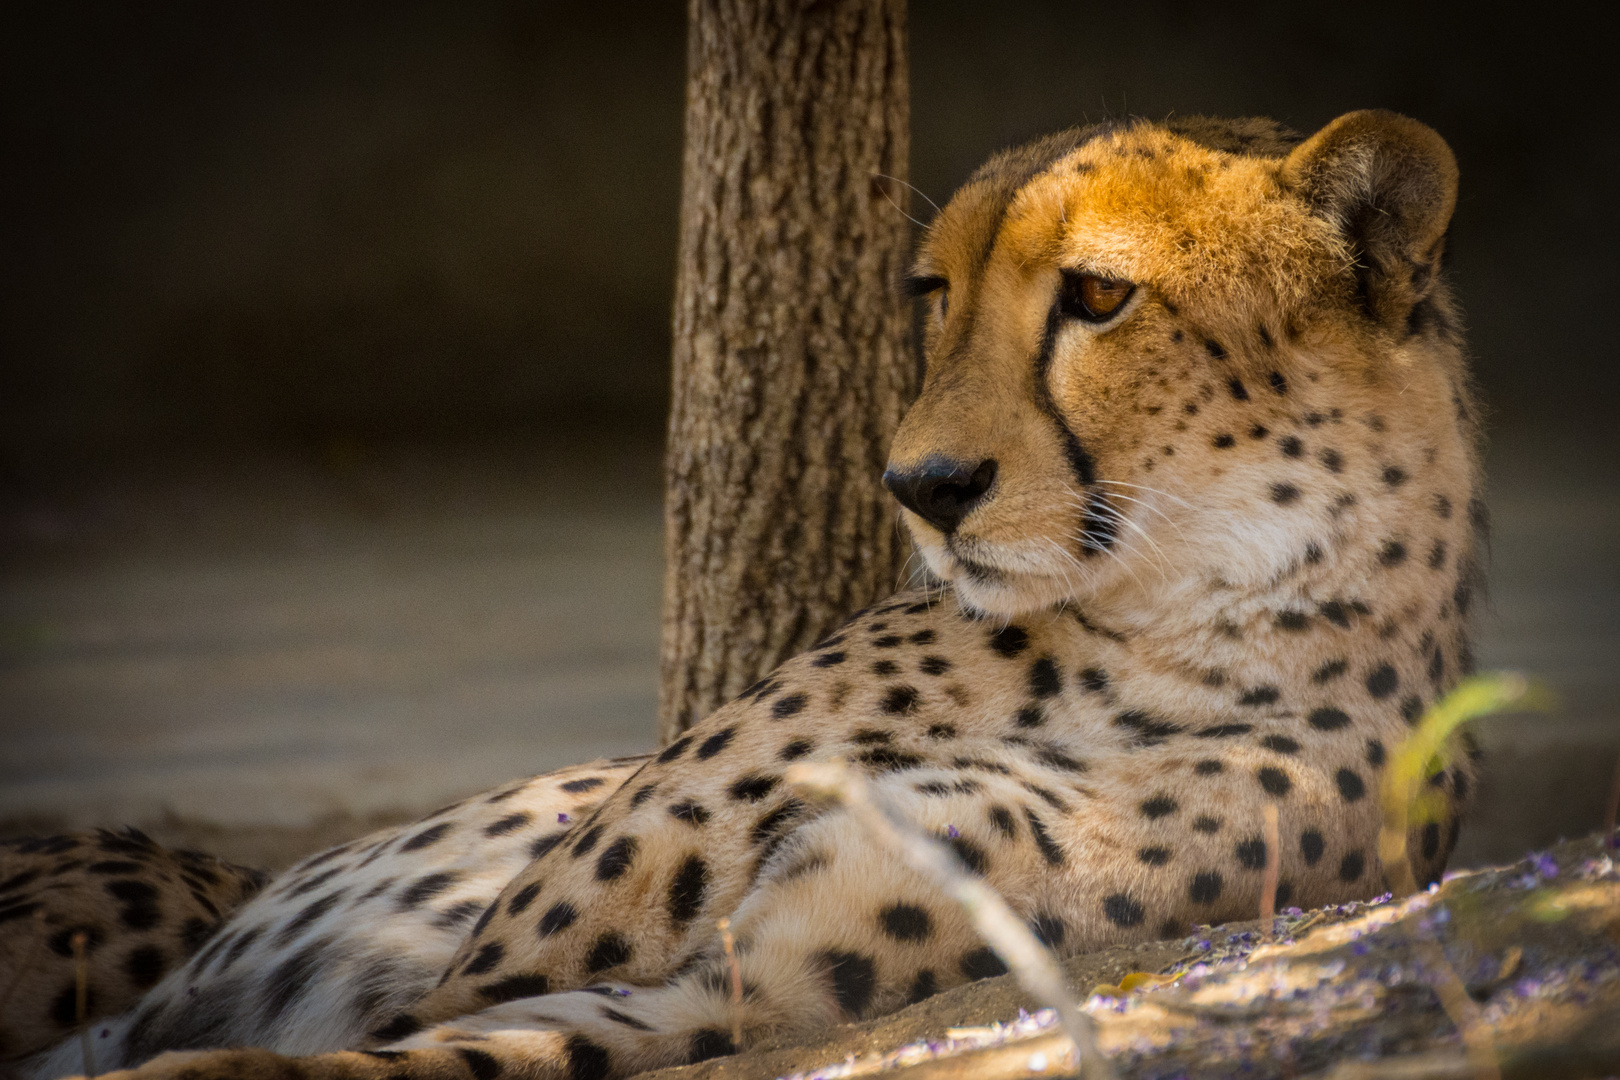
(913, 187)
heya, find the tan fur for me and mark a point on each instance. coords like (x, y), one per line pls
(1225, 561)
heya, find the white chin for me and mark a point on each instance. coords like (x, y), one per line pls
(1006, 596)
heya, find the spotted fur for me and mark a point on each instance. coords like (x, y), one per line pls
(1210, 554)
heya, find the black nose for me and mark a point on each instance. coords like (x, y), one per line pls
(942, 491)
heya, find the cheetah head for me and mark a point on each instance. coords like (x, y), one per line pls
(1123, 320)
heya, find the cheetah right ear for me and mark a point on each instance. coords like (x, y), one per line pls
(1389, 185)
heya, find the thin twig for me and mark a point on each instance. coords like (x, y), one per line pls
(1268, 884)
(81, 997)
(728, 943)
(1031, 964)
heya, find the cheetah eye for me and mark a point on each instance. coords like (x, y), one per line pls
(927, 284)
(1091, 297)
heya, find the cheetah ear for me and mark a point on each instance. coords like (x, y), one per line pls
(1389, 185)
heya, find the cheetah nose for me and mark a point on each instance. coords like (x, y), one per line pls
(942, 491)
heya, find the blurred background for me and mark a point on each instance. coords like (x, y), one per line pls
(333, 372)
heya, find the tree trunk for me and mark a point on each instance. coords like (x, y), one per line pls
(792, 345)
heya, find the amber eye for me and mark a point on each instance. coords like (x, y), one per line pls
(1092, 297)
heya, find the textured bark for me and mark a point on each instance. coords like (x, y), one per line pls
(792, 351)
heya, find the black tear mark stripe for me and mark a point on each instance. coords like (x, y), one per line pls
(1080, 461)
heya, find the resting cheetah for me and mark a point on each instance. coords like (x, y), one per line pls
(1194, 461)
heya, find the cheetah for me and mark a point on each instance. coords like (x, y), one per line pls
(1194, 471)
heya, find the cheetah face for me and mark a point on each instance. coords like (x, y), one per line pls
(1117, 316)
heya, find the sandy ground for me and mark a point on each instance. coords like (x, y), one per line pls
(264, 657)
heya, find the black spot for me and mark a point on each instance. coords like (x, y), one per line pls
(1279, 385)
(584, 783)
(1382, 681)
(1154, 856)
(1043, 839)
(1331, 460)
(480, 1063)
(1095, 680)
(1251, 853)
(1351, 786)
(886, 759)
(709, 1043)
(1275, 781)
(925, 985)
(796, 749)
(1223, 441)
(1239, 391)
(1412, 709)
(942, 731)
(754, 788)
(1258, 432)
(675, 749)
(887, 641)
(831, 659)
(1328, 719)
(560, 917)
(971, 854)
(1010, 640)
(1329, 671)
(1044, 680)
(1282, 744)
(1311, 845)
(689, 812)
(194, 932)
(616, 858)
(1224, 731)
(1209, 767)
(1056, 758)
(854, 980)
(610, 950)
(1375, 753)
(781, 708)
(1442, 507)
(112, 866)
(1030, 716)
(1459, 783)
(420, 890)
(1214, 349)
(1122, 910)
(543, 844)
(1394, 475)
(458, 913)
(486, 959)
(934, 665)
(140, 909)
(900, 700)
(1159, 806)
(687, 890)
(871, 737)
(508, 823)
(1313, 553)
(1205, 887)
(1335, 612)
(586, 1060)
(588, 840)
(400, 1027)
(1002, 819)
(1293, 621)
(718, 741)
(511, 988)
(145, 965)
(982, 963)
(1431, 839)
(1147, 730)
(1393, 553)
(906, 922)
(1283, 494)
(1260, 695)
(1437, 666)
(1351, 866)
(427, 836)
(523, 898)
(772, 824)
(1290, 446)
